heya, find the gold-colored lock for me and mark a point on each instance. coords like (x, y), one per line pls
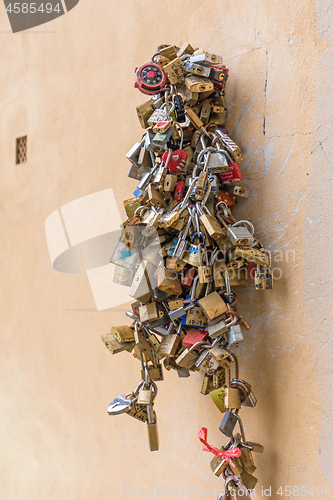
(144, 344)
(187, 358)
(195, 317)
(148, 312)
(204, 272)
(123, 333)
(207, 384)
(153, 438)
(161, 60)
(175, 304)
(218, 465)
(174, 264)
(175, 70)
(138, 411)
(217, 396)
(131, 205)
(263, 279)
(232, 397)
(145, 396)
(212, 306)
(218, 377)
(114, 345)
(154, 197)
(170, 183)
(168, 281)
(252, 255)
(144, 112)
(198, 83)
(186, 48)
(169, 345)
(205, 112)
(212, 226)
(155, 372)
(194, 119)
(169, 52)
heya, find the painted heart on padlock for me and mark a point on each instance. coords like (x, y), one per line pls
(177, 160)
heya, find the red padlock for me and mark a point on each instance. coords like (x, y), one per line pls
(189, 277)
(233, 174)
(177, 160)
(251, 268)
(193, 336)
(179, 191)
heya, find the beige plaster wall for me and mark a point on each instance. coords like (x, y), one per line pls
(68, 85)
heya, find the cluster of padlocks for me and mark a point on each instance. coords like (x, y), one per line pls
(182, 253)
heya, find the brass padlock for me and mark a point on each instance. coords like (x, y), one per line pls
(195, 317)
(204, 272)
(169, 345)
(154, 197)
(198, 83)
(252, 255)
(123, 333)
(153, 438)
(131, 205)
(212, 306)
(217, 396)
(175, 70)
(144, 112)
(188, 357)
(138, 411)
(145, 346)
(207, 384)
(169, 51)
(174, 264)
(232, 396)
(168, 281)
(263, 279)
(114, 345)
(186, 48)
(170, 183)
(218, 377)
(148, 312)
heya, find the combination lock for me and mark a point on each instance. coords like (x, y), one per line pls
(150, 78)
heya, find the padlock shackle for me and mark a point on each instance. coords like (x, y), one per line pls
(245, 223)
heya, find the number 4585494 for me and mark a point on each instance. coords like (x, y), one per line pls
(31, 8)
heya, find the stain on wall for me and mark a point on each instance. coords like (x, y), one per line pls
(71, 92)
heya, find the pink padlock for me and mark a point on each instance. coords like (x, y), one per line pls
(177, 160)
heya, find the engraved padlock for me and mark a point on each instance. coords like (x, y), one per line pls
(239, 234)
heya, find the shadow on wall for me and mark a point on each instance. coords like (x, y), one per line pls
(23, 16)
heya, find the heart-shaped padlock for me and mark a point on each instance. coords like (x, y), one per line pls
(177, 160)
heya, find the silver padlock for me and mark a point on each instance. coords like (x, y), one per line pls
(134, 152)
(235, 336)
(220, 327)
(241, 235)
(197, 69)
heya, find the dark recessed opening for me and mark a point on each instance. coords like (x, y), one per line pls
(21, 149)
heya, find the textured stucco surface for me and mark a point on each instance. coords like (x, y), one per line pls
(68, 85)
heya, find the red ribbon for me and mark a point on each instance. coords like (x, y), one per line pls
(233, 452)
